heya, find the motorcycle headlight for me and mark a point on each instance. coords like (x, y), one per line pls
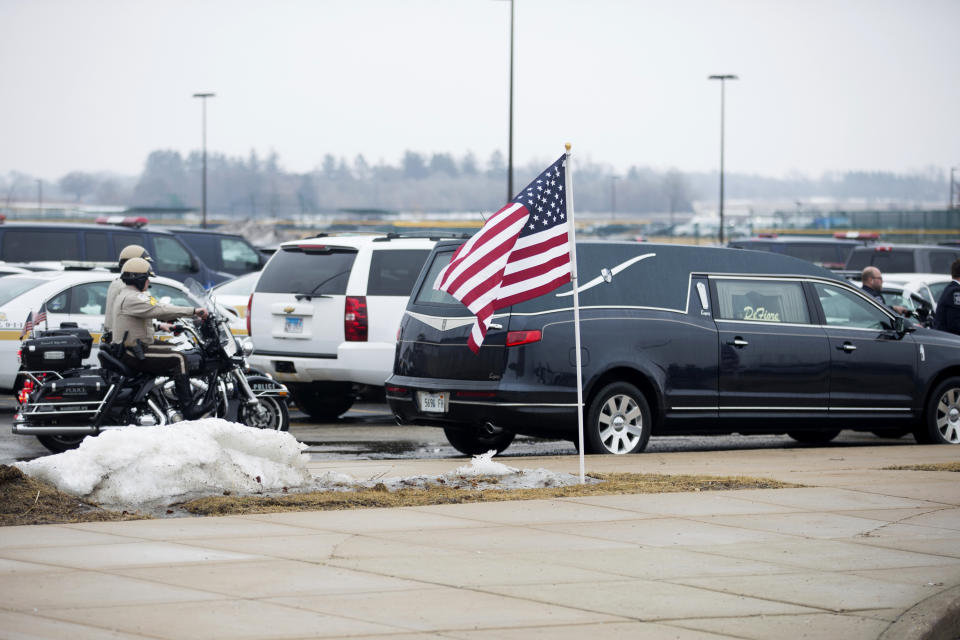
(246, 345)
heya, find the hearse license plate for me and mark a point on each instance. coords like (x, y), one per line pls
(432, 402)
(293, 325)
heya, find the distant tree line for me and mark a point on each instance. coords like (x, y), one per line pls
(258, 186)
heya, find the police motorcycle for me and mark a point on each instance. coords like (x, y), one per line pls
(62, 402)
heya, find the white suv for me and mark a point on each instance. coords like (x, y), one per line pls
(325, 313)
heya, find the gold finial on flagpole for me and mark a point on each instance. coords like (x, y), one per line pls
(567, 145)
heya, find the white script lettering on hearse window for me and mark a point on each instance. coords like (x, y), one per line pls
(749, 313)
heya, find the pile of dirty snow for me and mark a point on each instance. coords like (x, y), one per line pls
(171, 463)
(149, 468)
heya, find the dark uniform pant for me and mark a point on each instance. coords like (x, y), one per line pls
(158, 359)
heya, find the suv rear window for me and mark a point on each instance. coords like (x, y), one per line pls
(888, 261)
(308, 271)
(393, 272)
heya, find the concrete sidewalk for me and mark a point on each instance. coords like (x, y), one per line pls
(851, 556)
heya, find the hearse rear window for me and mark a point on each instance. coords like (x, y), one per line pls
(427, 294)
(773, 301)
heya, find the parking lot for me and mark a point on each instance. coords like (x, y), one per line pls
(368, 432)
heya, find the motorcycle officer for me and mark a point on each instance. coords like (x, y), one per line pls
(129, 251)
(134, 312)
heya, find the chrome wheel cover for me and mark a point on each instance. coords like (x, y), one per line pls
(620, 424)
(265, 414)
(948, 415)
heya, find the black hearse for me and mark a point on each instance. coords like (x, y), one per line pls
(675, 340)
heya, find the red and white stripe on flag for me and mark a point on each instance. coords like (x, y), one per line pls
(522, 252)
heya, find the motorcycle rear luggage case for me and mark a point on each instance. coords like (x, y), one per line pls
(53, 353)
(82, 334)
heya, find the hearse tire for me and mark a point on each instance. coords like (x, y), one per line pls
(941, 420)
(814, 437)
(471, 443)
(59, 444)
(618, 421)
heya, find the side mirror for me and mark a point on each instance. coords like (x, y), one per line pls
(899, 325)
(194, 264)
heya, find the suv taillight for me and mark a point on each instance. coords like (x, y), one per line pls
(355, 322)
(249, 309)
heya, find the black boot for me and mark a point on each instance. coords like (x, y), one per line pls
(188, 405)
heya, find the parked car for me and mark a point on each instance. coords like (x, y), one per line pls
(23, 242)
(325, 311)
(225, 253)
(234, 295)
(904, 258)
(830, 253)
(675, 340)
(67, 296)
(916, 289)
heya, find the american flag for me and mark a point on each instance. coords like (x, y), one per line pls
(42, 316)
(521, 252)
(27, 326)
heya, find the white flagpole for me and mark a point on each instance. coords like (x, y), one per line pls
(572, 239)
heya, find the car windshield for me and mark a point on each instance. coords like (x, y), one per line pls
(13, 286)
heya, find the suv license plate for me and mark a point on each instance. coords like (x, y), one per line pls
(293, 325)
(432, 402)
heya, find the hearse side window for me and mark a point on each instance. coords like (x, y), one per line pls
(773, 301)
(25, 245)
(843, 308)
(427, 294)
(393, 272)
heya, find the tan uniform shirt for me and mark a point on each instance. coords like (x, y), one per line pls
(134, 312)
(115, 288)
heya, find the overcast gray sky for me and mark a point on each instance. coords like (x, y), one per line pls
(824, 84)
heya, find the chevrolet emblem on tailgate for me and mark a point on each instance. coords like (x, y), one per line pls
(288, 309)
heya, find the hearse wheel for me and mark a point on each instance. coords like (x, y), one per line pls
(59, 444)
(473, 443)
(941, 422)
(619, 420)
(814, 437)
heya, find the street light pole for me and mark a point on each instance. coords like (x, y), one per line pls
(203, 98)
(953, 197)
(40, 197)
(723, 81)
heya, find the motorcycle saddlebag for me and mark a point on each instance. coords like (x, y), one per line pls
(78, 389)
(70, 329)
(53, 353)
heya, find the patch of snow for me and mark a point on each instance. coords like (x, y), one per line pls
(171, 463)
(148, 469)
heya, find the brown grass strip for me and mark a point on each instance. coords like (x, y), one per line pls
(379, 496)
(24, 500)
(939, 466)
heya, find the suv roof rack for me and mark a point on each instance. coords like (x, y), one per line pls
(430, 235)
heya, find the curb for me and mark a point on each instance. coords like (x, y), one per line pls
(936, 618)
